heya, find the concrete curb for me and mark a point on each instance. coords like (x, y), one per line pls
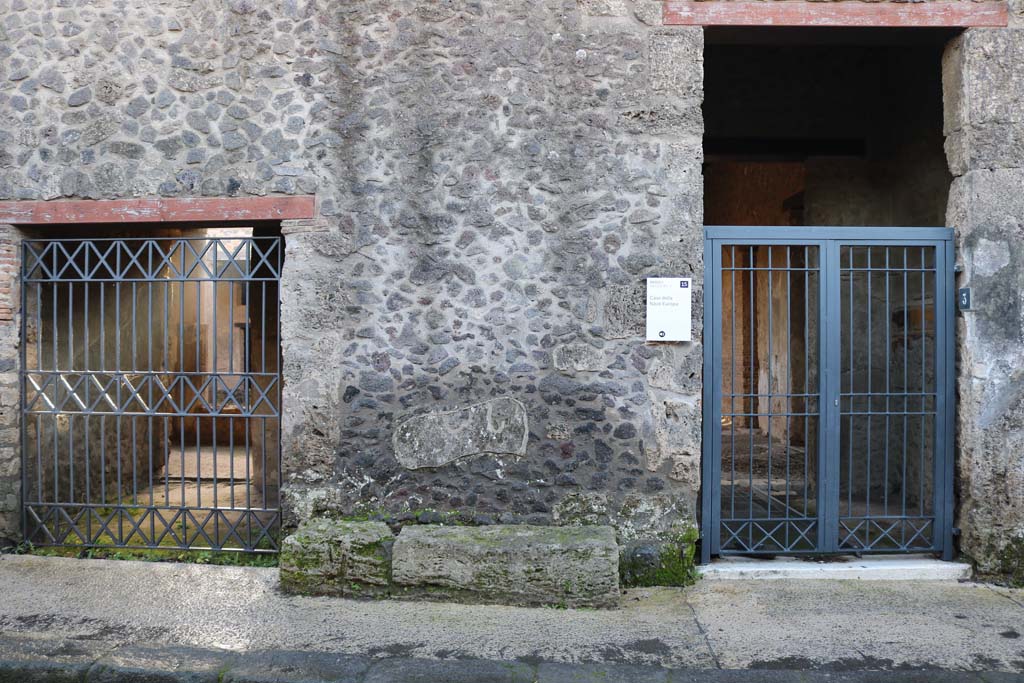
(35, 659)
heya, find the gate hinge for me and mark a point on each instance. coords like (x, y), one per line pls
(956, 532)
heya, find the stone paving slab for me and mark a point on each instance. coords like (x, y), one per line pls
(861, 624)
(96, 620)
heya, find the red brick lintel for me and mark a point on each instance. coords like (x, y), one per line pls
(852, 13)
(192, 210)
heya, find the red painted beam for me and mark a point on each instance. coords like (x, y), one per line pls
(195, 210)
(951, 14)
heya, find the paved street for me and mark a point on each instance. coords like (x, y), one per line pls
(63, 617)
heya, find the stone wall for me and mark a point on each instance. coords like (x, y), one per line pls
(984, 86)
(509, 175)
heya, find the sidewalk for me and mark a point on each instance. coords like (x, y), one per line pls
(100, 620)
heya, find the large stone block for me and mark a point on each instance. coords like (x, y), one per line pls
(983, 92)
(497, 426)
(332, 557)
(515, 565)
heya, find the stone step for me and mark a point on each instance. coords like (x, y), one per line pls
(336, 557)
(508, 564)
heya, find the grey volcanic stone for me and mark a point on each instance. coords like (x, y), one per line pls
(578, 358)
(334, 557)
(80, 97)
(514, 565)
(499, 425)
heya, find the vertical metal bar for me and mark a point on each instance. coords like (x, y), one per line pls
(732, 381)
(231, 327)
(23, 252)
(231, 458)
(103, 458)
(56, 330)
(807, 377)
(71, 327)
(888, 389)
(117, 373)
(853, 386)
(199, 463)
(56, 382)
(134, 328)
(86, 361)
(39, 458)
(828, 466)
(944, 406)
(150, 370)
(88, 477)
(789, 379)
(770, 272)
(263, 328)
(871, 402)
(199, 325)
(753, 409)
(166, 365)
(135, 459)
(906, 386)
(215, 377)
(39, 325)
(263, 455)
(214, 300)
(103, 326)
(248, 480)
(277, 380)
(248, 420)
(924, 380)
(167, 462)
(709, 528)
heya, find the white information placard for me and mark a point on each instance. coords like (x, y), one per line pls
(668, 308)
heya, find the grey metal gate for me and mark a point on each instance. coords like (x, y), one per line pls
(151, 389)
(828, 391)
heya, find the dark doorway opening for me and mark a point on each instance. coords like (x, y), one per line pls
(824, 129)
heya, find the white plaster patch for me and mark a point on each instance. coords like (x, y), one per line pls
(990, 257)
(498, 426)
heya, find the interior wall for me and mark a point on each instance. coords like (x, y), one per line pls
(750, 193)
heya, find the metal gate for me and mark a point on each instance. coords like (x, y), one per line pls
(828, 391)
(150, 391)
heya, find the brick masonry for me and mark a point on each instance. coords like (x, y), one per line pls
(10, 459)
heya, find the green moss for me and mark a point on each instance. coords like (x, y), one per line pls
(371, 549)
(674, 565)
(230, 558)
(1011, 562)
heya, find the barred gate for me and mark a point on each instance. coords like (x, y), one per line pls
(151, 392)
(828, 391)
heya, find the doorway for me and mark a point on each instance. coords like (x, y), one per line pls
(151, 390)
(827, 425)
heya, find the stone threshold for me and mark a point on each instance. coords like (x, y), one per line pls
(877, 568)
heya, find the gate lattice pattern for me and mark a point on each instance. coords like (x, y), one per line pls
(828, 424)
(151, 392)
